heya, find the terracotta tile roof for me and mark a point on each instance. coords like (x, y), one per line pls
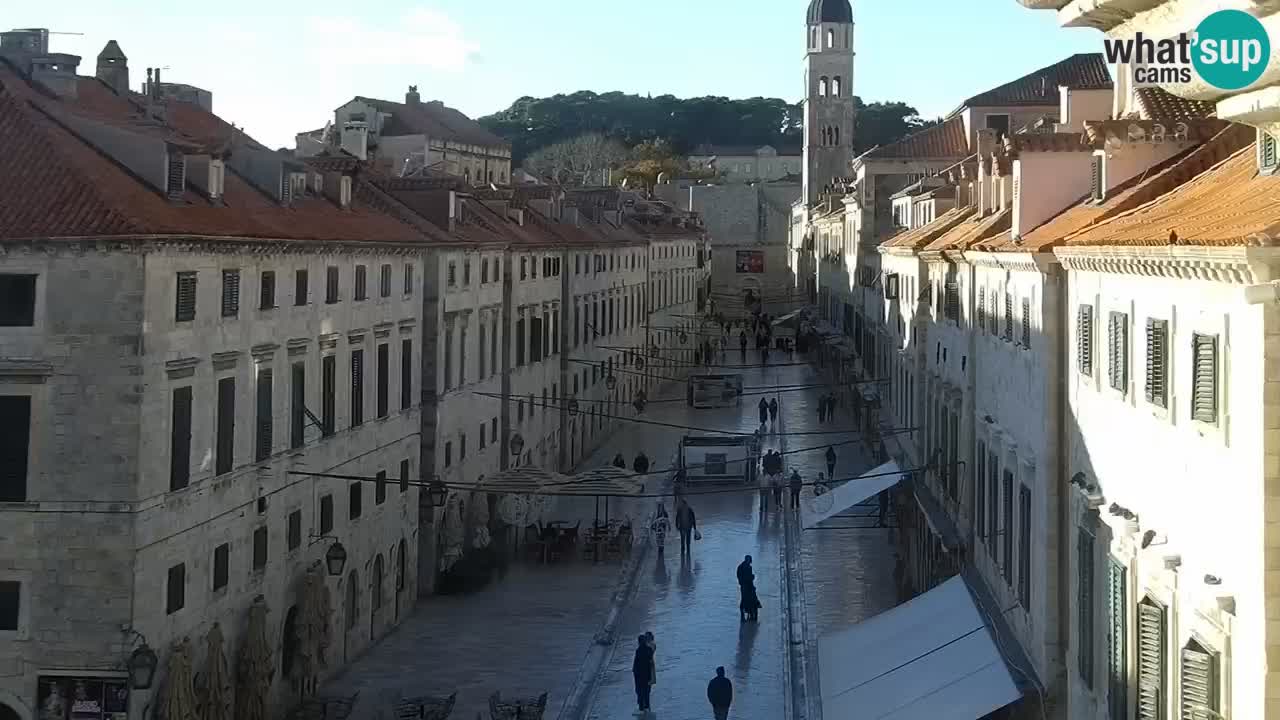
(433, 118)
(54, 184)
(917, 238)
(964, 235)
(947, 140)
(1229, 204)
(1161, 105)
(1083, 71)
(1138, 190)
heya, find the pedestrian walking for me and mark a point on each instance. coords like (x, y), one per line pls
(742, 344)
(618, 462)
(746, 573)
(831, 406)
(720, 693)
(641, 464)
(642, 670)
(764, 354)
(750, 604)
(661, 524)
(831, 461)
(822, 410)
(687, 524)
(777, 488)
(795, 485)
(764, 491)
(773, 409)
(764, 411)
(653, 645)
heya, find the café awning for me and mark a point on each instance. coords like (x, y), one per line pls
(931, 657)
(843, 497)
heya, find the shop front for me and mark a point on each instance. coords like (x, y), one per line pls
(82, 698)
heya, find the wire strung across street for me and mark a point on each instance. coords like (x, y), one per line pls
(750, 390)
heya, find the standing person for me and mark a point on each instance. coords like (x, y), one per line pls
(764, 354)
(642, 670)
(777, 486)
(773, 409)
(795, 485)
(720, 693)
(742, 344)
(653, 647)
(661, 524)
(750, 605)
(764, 411)
(831, 405)
(686, 523)
(822, 410)
(746, 581)
(618, 462)
(764, 487)
(831, 461)
(641, 464)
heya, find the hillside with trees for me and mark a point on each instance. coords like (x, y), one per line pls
(615, 123)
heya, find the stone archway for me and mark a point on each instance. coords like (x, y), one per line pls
(11, 709)
(8, 713)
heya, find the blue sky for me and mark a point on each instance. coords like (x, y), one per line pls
(276, 67)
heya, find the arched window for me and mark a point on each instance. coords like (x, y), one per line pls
(835, 87)
(822, 86)
(831, 38)
(353, 599)
(837, 135)
(400, 564)
(289, 642)
(377, 583)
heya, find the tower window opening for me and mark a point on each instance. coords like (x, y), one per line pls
(837, 135)
(835, 87)
(822, 86)
(831, 38)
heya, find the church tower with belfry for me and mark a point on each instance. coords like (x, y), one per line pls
(828, 97)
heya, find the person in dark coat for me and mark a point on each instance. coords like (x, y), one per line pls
(642, 672)
(641, 464)
(773, 409)
(750, 605)
(686, 523)
(742, 343)
(618, 462)
(831, 461)
(720, 693)
(795, 486)
(822, 410)
(764, 411)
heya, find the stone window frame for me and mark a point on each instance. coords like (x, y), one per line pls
(31, 381)
(18, 265)
(25, 580)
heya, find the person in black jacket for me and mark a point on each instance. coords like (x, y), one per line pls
(642, 672)
(641, 464)
(619, 462)
(831, 461)
(720, 693)
(764, 411)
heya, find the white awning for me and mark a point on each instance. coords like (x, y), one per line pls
(843, 497)
(931, 657)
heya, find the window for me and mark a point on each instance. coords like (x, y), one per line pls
(406, 374)
(993, 505)
(362, 282)
(293, 532)
(493, 348)
(1151, 661)
(448, 453)
(297, 404)
(380, 488)
(835, 87)
(951, 292)
(176, 589)
(331, 284)
(462, 354)
(262, 438)
(466, 272)
(260, 548)
(535, 344)
(328, 393)
(980, 492)
(1095, 180)
(998, 122)
(185, 298)
(326, 514)
(17, 300)
(1268, 158)
(1008, 316)
(831, 38)
(1199, 684)
(267, 291)
(1118, 351)
(384, 367)
(230, 293)
(519, 342)
(221, 566)
(482, 440)
(448, 354)
(524, 268)
(408, 279)
(355, 500)
(404, 475)
(981, 310)
(462, 447)
(482, 355)
(10, 605)
(484, 270)
(301, 287)
(1007, 529)
(226, 426)
(1084, 340)
(715, 464)
(357, 387)
(1157, 386)
(822, 92)
(1085, 542)
(1024, 547)
(1026, 322)
(179, 439)
(384, 281)
(1204, 378)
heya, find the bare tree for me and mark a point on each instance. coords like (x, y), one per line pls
(578, 161)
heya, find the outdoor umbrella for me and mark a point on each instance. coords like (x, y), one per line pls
(519, 487)
(217, 679)
(180, 695)
(254, 668)
(605, 482)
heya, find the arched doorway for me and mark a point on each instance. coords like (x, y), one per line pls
(288, 642)
(375, 597)
(401, 558)
(8, 713)
(350, 611)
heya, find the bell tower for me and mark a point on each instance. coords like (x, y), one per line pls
(828, 103)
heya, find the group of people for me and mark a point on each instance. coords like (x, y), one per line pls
(768, 411)
(640, 465)
(827, 407)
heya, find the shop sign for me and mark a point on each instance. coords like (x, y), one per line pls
(82, 698)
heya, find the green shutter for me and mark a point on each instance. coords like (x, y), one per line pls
(1084, 601)
(1084, 339)
(1118, 335)
(1157, 357)
(1204, 380)
(1199, 683)
(1151, 661)
(1117, 643)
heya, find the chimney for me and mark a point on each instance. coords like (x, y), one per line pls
(412, 97)
(354, 139)
(57, 73)
(113, 68)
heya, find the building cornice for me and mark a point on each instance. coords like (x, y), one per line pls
(1228, 265)
(1020, 261)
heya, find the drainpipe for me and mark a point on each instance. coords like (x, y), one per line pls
(1264, 293)
(1061, 474)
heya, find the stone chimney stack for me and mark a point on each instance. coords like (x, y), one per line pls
(113, 68)
(412, 97)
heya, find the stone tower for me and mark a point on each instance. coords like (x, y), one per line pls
(113, 67)
(828, 96)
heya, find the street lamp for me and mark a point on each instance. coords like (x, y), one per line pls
(611, 382)
(142, 666)
(437, 493)
(517, 444)
(335, 559)
(573, 407)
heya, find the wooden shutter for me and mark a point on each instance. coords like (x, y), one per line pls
(260, 548)
(15, 441)
(267, 296)
(982, 309)
(380, 488)
(1026, 322)
(1157, 359)
(1007, 529)
(1008, 316)
(1204, 380)
(1151, 661)
(262, 443)
(357, 387)
(1084, 600)
(297, 403)
(404, 467)
(362, 283)
(1268, 151)
(1117, 643)
(1095, 179)
(230, 293)
(1024, 546)
(406, 374)
(180, 439)
(176, 590)
(1118, 350)
(1084, 339)
(176, 178)
(1199, 683)
(953, 300)
(185, 297)
(328, 391)
(385, 289)
(225, 445)
(331, 285)
(980, 491)
(301, 287)
(993, 504)
(384, 387)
